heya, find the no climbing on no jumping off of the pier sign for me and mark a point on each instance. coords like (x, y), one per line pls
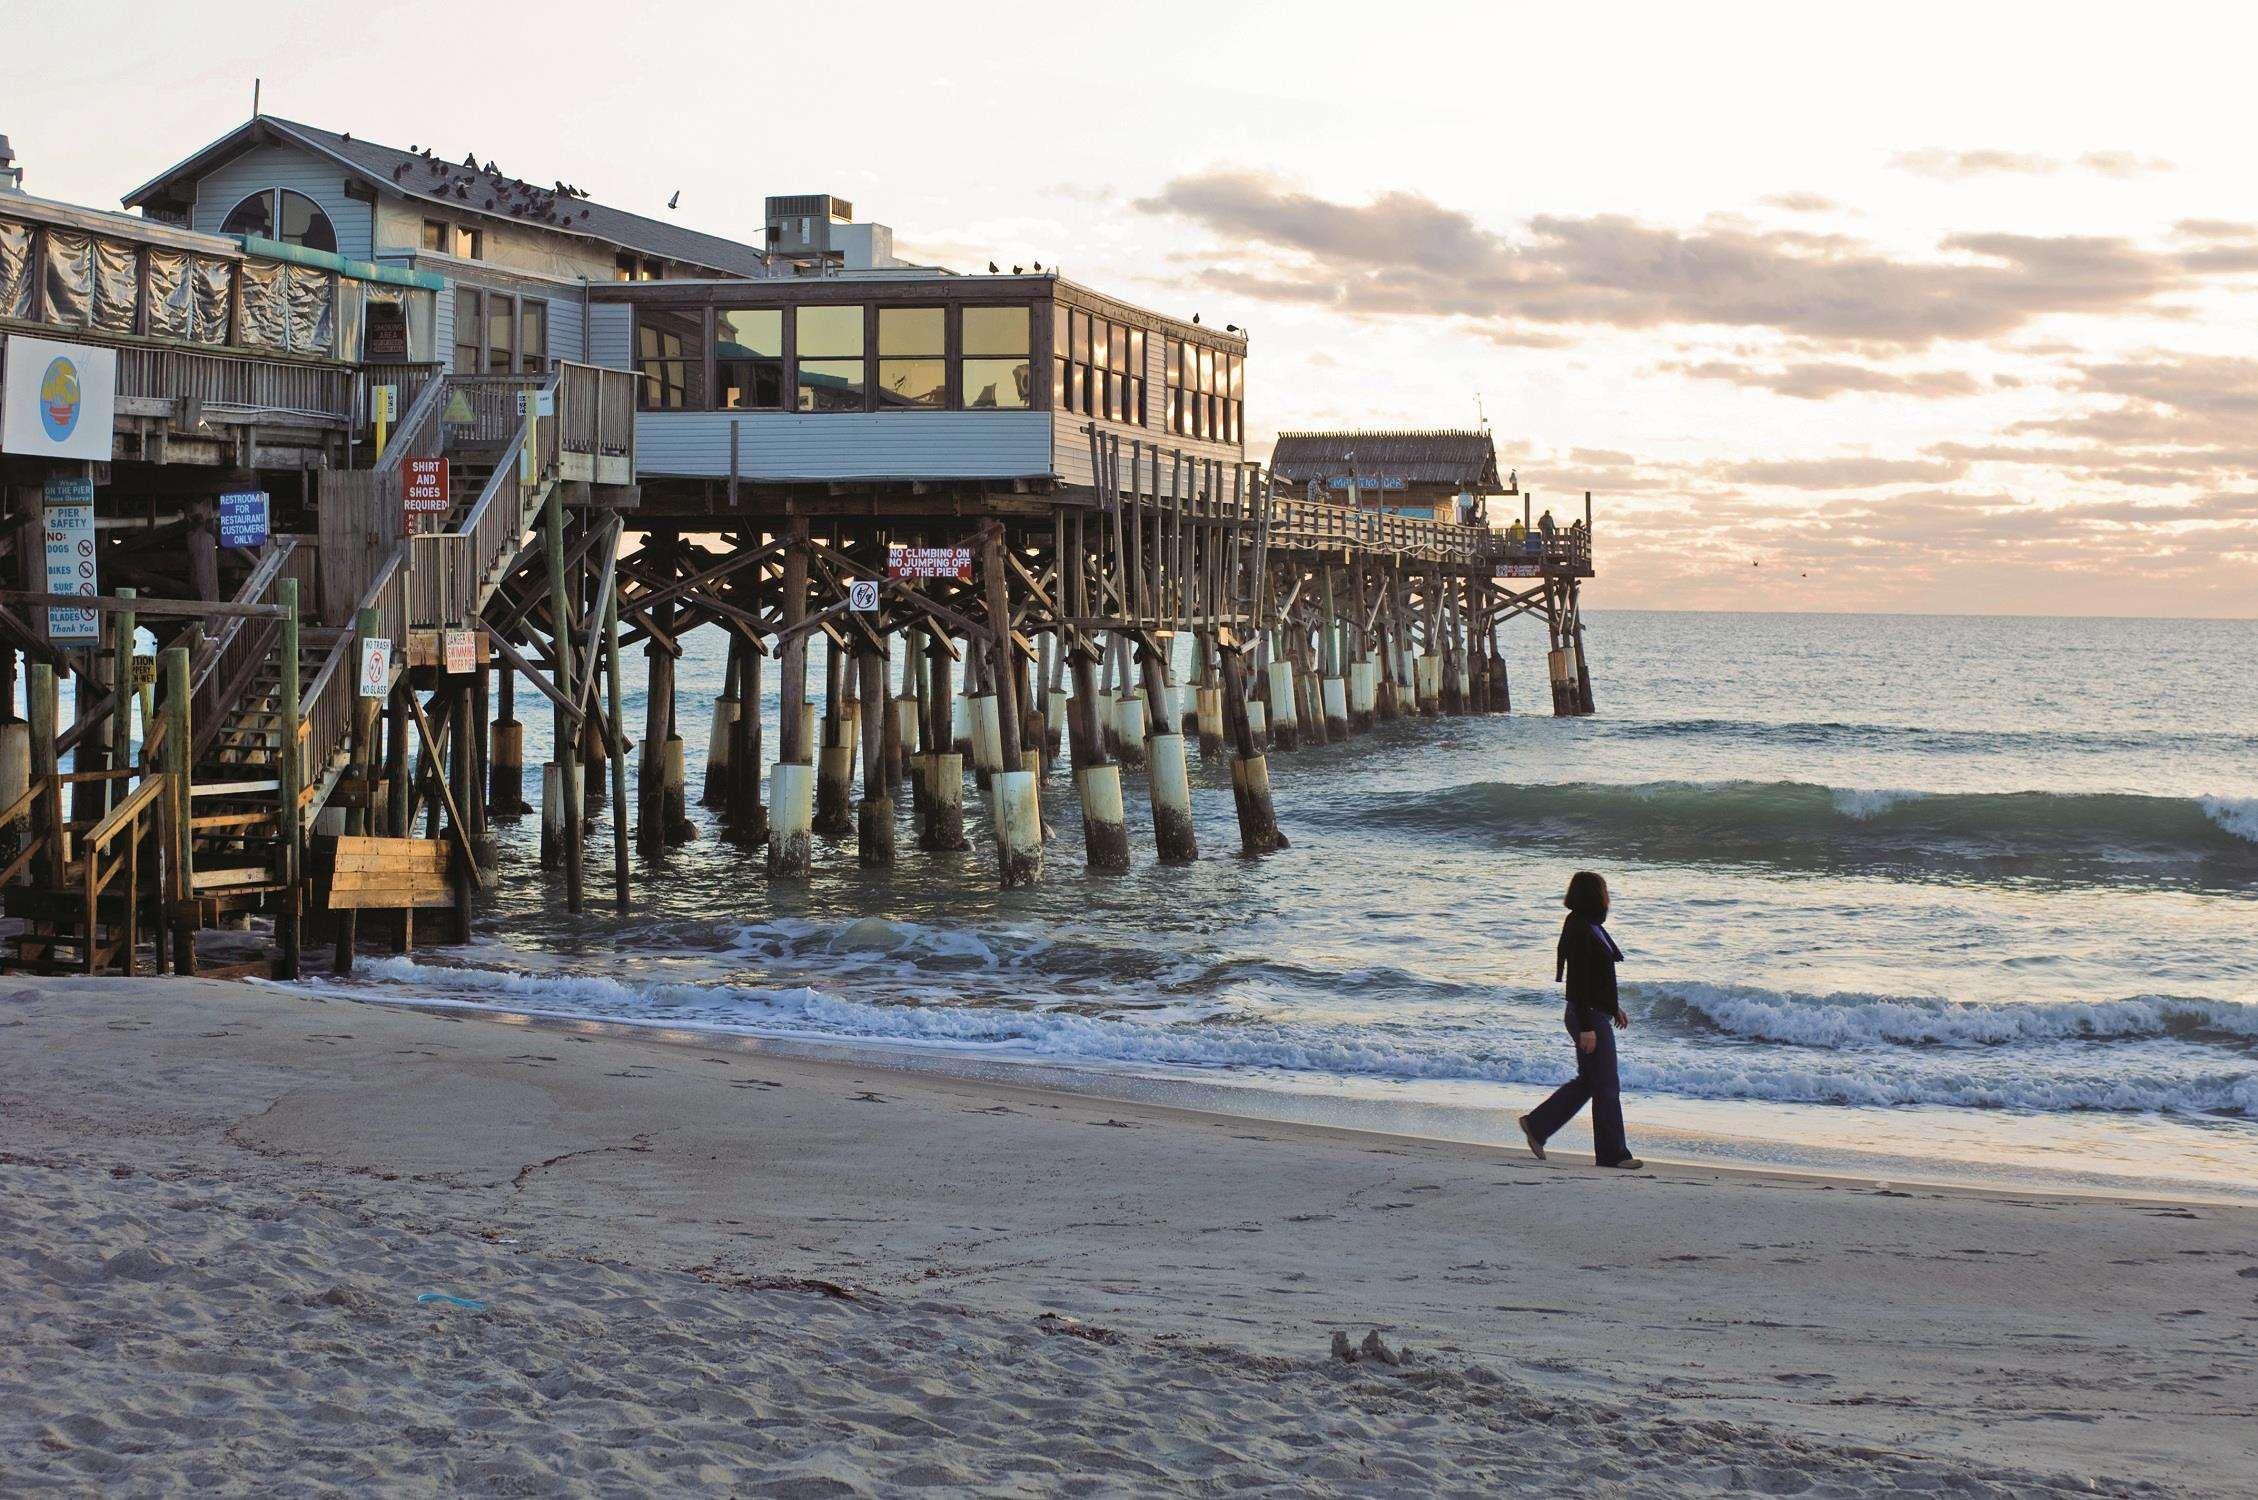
(930, 562)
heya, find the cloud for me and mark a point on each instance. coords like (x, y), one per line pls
(2215, 229)
(1954, 166)
(1849, 472)
(1818, 380)
(1802, 203)
(1404, 255)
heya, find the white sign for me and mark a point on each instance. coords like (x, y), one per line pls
(862, 597)
(384, 403)
(537, 403)
(458, 651)
(376, 666)
(59, 400)
(70, 557)
(930, 562)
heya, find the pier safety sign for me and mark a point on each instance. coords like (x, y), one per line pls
(930, 562)
(70, 557)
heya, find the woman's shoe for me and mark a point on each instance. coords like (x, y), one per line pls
(1628, 1164)
(1529, 1134)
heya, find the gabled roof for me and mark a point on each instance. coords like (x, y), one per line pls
(468, 189)
(1459, 459)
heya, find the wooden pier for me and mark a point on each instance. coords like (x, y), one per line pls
(1021, 518)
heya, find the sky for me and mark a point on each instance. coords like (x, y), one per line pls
(1935, 308)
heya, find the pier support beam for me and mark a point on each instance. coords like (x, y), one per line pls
(943, 827)
(505, 792)
(791, 797)
(1097, 781)
(1283, 727)
(835, 770)
(748, 817)
(1250, 770)
(1013, 793)
(1168, 777)
(874, 815)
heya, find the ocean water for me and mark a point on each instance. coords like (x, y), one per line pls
(1926, 898)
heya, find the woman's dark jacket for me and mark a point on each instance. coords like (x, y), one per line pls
(1587, 961)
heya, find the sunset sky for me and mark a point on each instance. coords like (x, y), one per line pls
(1938, 308)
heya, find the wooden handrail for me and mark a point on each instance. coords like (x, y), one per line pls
(103, 832)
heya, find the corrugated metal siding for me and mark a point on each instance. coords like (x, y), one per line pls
(443, 326)
(564, 325)
(300, 171)
(846, 445)
(611, 333)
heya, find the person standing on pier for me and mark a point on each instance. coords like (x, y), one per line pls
(1586, 958)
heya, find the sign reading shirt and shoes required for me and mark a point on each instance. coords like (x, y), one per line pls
(70, 557)
(58, 400)
(426, 490)
(243, 519)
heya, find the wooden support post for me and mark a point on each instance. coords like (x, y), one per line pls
(290, 823)
(570, 780)
(505, 795)
(834, 774)
(748, 816)
(723, 729)
(1014, 797)
(943, 826)
(650, 774)
(1250, 769)
(1169, 779)
(181, 905)
(617, 727)
(463, 768)
(791, 802)
(874, 816)
(40, 699)
(360, 778)
(1333, 689)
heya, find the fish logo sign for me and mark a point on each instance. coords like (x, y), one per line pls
(59, 398)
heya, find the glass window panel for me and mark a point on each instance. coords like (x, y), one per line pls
(501, 329)
(303, 223)
(470, 244)
(1081, 322)
(1137, 401)
(831, 384)
(1098, 342)
(1059, 368)
(1238, 377)
(1207, 369)
(912, 330)
(434, 235)
(749, 385)
(254, 215)
(1075, 376)
(1061, 345)
(533, 336)
(665, 383)
(912, 382)
(669, 356)
(999, 384)
(1137, 352)
(830, 333)
(746, 333)
(1174, 416)
(996, 330)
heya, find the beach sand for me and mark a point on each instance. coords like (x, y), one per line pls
(705, 1266)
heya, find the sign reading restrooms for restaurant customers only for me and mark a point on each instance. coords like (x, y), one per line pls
(930, 562)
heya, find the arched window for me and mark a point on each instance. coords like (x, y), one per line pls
(280, 214)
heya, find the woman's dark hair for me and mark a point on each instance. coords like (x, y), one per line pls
(1587, 895)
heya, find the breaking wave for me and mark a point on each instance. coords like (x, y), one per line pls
(2071, 836)
(1852, 1020)
(2023, 1079)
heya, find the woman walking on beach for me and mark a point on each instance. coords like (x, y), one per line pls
(1586, 959)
